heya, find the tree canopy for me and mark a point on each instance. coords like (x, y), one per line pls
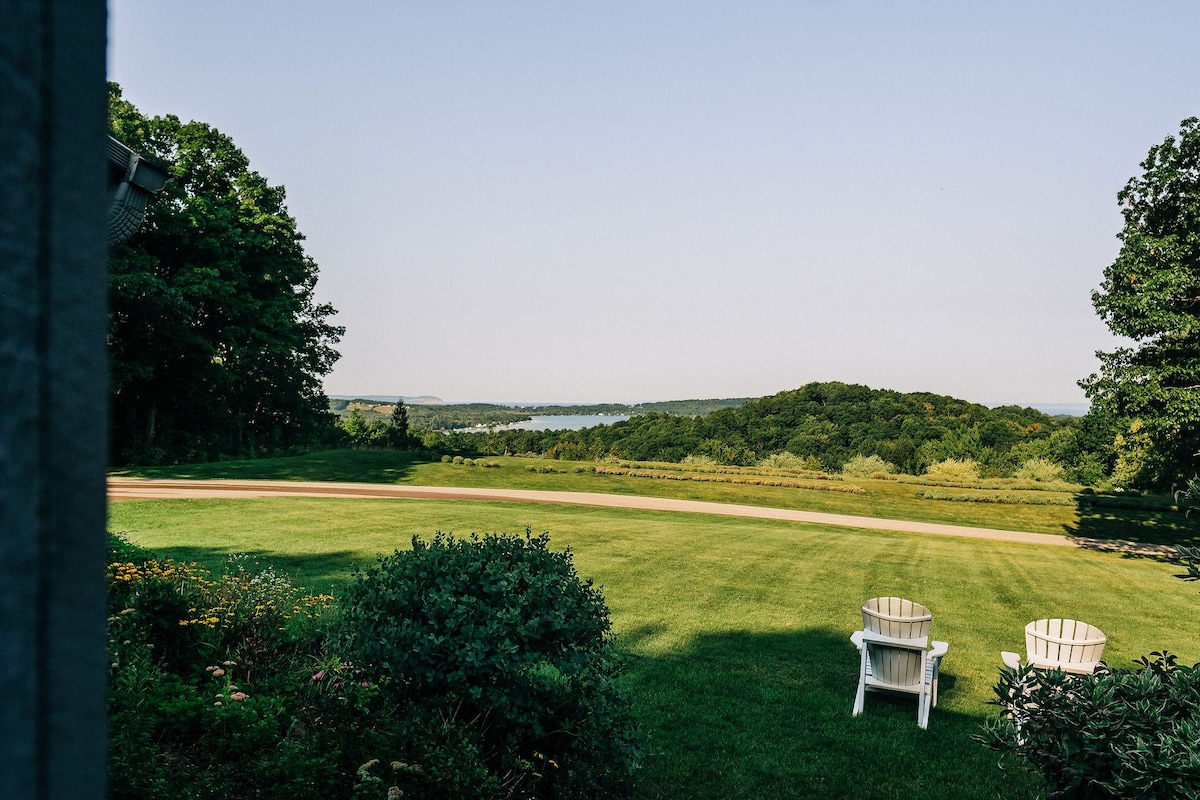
(829, 423)
(217, 344)
(1151, 295)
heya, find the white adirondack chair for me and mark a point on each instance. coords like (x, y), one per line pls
(894, 653)
(1065, 644)
(896, 617)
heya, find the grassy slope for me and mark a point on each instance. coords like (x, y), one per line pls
(886, 499)
(737, 630)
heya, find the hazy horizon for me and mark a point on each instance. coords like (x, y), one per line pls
(1052, 408)
(667, 199)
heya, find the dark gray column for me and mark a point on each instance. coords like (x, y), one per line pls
(52, 399)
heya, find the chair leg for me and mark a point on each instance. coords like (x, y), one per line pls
(860, 695)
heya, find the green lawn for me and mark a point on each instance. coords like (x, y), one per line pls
(887, 499)
(737, 629)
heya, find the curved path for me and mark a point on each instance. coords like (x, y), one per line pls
(141, 488)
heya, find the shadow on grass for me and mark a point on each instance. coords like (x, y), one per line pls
(318, 572)
(752, 715)
(1137, 527)
(349, 466)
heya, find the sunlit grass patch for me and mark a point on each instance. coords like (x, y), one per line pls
(737, 630)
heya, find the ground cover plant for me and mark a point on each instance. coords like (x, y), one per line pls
(736, 630)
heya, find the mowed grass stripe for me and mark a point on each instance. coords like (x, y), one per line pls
(886, 499)
(737, 629)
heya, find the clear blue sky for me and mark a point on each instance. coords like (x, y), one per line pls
(636, 201)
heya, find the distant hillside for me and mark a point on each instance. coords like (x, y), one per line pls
(830, 423)
(690, 408)
(452, 416)
(338, 402)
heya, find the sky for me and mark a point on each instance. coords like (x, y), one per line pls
(638, 201)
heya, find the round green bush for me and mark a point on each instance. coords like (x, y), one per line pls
(954, 469)
(498, 636)
(861, 466)
(1040, 469)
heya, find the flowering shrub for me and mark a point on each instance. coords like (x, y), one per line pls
(211, 687)
(230, 684)
(185, 607)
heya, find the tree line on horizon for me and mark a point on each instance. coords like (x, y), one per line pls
(825, 425)
(218, 347)
(458, 416)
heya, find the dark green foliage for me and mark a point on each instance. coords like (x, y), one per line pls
(496, 641)
(1115, 734)
(121, 549)
(217, 345)
(1151, 294)
(220, 687)
(398, 432)
(359, 429)
(451, 416)
(831, 422)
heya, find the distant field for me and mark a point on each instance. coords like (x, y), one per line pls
(737, 629)
(881, 498)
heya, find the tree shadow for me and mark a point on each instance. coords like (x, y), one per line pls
(345, 466)
(1134, 527)
(749, 715)
(316, 572)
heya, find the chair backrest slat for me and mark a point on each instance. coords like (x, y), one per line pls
(896, 617)
(1063, 641)
(897, 666)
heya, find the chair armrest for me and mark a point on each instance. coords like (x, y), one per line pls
(1011, 660)
(919, 643)
(939, 649)
(1073, 667)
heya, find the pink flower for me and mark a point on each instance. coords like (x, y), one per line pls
(318, 675)
(238, 696)
(218, 673)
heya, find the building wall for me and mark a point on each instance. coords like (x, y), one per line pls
(52, 399)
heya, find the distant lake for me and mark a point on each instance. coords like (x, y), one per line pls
(557, 422)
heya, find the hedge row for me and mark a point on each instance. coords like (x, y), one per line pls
(728, 470)
(994, 483)
(1003, 499)
(743, 479)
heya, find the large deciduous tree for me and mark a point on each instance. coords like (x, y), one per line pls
(1151, 294)
(217, 344)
